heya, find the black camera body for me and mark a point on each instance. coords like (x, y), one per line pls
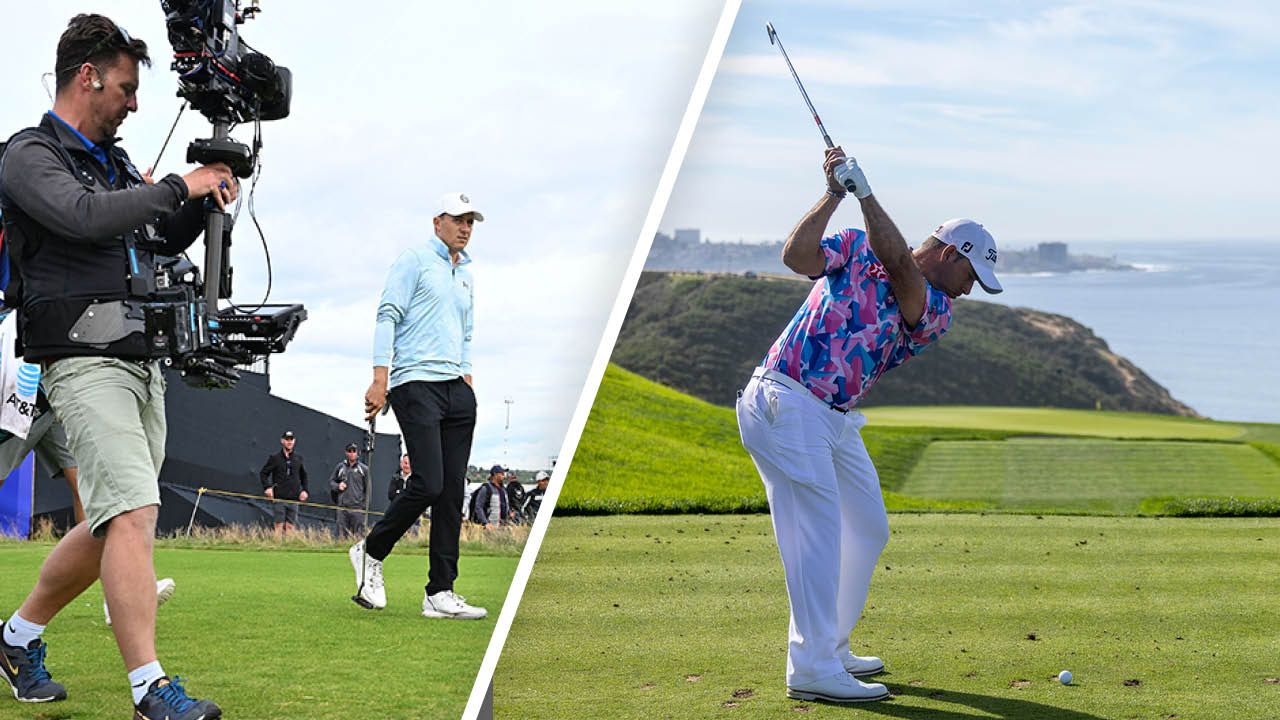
(229, 83)
(219, 74)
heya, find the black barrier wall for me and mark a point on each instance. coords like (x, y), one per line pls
(219, 439)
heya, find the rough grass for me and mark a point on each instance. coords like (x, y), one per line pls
(1212, 507)
(686, 617)
(271, 633)
(506, 540)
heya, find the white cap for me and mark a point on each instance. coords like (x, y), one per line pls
(455, 204)
(542, 475)
(974, 242)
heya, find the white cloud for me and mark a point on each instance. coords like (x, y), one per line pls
(1045, 119)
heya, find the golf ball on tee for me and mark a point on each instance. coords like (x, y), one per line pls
(1064, 677)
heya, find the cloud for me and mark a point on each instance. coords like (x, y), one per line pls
(1046, 119)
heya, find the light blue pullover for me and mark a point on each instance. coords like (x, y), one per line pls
(425, 316)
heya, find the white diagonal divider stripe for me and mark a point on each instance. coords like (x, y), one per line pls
(484, 680)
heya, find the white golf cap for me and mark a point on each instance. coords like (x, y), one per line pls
(455, 204)
(542, 475)
(974, 242)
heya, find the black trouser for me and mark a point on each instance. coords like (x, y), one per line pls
(437, 420)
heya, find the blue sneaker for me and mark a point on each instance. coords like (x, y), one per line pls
(25, 671)
(166, 700)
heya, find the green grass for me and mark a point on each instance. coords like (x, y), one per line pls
(1055, 421)
(686, 617)
(649, 449)
(273, 634)
(1212, 507)
(1088, 476)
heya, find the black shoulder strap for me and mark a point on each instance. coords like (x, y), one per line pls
(46, 139)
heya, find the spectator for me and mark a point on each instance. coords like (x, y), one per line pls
(515, 495)
(349, 485)
(399, 482)
(285, 478)
(489, 507)
(533, 500)
(400, 479)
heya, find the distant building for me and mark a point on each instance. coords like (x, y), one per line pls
(688, 236)
(1053, 254)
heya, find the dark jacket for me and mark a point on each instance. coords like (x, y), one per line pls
(357, 479)
(532, 503)
(68, 228)
(288, 479)
(515, 494)
(397, 486)
(480, 505)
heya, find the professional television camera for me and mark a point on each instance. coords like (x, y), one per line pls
(228, 82)
(218, 73)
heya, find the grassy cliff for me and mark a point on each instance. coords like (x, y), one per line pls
(702, 335)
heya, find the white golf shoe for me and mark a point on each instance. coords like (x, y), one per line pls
(862, 666)
(164, 591)
(841, 688)
(448, 604)
(370, 593)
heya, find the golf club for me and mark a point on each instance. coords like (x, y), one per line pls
(369, 437)
(775, 40)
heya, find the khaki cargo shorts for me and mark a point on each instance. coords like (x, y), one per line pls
(113, 414)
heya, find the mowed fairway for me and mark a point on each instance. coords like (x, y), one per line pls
(273, 634)
(1057, 422)
(685, 617)
(1095, 476)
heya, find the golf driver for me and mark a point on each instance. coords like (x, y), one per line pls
(775, 40)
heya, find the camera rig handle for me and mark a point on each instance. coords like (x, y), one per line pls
(232, 153)
(214, 220)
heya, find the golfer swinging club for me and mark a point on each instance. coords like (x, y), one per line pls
(875, 305)
(422, 350)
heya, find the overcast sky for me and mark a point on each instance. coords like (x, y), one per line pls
(1123, 119)
(555, 119)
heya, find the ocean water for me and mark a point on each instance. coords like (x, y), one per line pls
(1201, 318)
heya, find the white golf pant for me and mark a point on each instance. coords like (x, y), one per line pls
(828, 514)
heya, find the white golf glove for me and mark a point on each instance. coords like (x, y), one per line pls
(851, 177)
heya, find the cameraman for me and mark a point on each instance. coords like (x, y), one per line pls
(83, 227)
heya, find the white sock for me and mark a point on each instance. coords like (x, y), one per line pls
(19, 632)
(140, 679)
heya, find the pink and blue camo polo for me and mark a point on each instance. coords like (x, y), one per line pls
(849, 331)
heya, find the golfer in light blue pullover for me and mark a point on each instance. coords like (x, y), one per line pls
(422, 365)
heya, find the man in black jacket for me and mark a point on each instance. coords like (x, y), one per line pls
(83, 226)
(284, 477)
(400, 480)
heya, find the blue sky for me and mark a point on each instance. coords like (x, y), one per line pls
(1044, 120)
(555, 119)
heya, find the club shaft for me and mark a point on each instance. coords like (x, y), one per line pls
(818, 121)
